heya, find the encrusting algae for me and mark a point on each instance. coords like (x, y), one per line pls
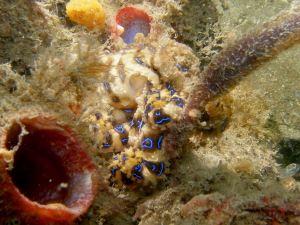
(89, 13)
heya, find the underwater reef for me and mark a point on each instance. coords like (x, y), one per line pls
(149, 112)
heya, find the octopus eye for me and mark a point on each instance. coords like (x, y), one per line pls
(160, 118)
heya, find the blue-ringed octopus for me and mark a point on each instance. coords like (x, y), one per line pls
(158, 95)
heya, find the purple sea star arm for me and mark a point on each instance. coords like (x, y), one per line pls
(241, 57)
(234, 62)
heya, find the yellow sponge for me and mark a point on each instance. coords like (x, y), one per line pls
(89, 13)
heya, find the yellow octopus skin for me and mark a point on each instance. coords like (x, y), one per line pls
(147, 85)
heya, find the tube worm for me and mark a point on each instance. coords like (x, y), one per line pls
(243, 56)
(46, 176)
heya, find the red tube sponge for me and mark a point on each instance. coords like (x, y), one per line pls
(53, 179)
(129, 21)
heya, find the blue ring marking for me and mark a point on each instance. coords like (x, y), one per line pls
(157, 113)
(137, 176)
(153, 167)
(119, 129)
(171, 90)
(138, 168)
(128, 110)
(106, 145)
(148, 109)
(140, 123)
(132, 123)
(145, 145)
(95, 127)
(162, 168)
(116, 158)
(124, 158)
(159, 141)
(97, 115)
(124, 140)
(179, 101)
(182, 68)
(106, 85)
(140, 62)
(162, 120)
(121, 72)
(113, 171)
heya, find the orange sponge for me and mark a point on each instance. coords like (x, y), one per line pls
(89, 13)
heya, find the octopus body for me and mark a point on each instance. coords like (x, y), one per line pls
(157, 93)
(147, 85)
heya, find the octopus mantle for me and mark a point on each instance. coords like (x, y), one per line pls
(146, 84)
